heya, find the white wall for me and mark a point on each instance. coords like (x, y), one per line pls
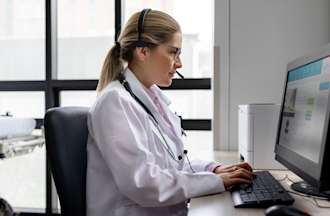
(264, 35)
(221, 75)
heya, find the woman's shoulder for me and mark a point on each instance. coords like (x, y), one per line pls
(114, 88)
(112, 93)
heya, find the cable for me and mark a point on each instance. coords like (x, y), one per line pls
(193, 171)
(314, 200)
(291, 180)
(305, 195)
(168, 148)
(282, 179)
(318, 205)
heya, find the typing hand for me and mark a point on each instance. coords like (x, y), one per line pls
(232, 168)
(239, 176)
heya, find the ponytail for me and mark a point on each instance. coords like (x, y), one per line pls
(112, 67)
(158, 28)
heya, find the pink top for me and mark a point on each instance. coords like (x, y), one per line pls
(153, 95)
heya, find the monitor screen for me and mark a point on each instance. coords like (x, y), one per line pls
(305, 109)
(303, 130)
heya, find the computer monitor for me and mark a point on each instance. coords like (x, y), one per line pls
(303, 136)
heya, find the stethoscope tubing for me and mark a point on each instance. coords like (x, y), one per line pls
(127, 87)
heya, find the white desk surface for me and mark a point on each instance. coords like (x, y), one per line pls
(221, 204)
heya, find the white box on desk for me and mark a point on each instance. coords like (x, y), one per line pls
(257, 131)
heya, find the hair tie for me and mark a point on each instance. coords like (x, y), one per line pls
(117, 45)
(118, 48)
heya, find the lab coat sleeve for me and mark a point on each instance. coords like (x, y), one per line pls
(200, 165)
(120, 129)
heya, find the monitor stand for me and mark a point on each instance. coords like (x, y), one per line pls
(305, 188)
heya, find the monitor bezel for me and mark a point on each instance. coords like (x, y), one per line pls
(281, 153)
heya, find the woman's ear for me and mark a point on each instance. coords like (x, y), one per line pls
(142, 53)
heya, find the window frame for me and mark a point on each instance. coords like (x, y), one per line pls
(52, 88)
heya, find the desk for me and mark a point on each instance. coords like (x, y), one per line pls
(222, 205)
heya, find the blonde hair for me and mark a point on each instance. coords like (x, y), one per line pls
(158, 28)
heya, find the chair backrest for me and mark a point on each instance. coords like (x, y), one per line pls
(66, 137)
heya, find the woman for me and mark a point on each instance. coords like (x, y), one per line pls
(136, 161)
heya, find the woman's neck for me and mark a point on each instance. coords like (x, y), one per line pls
(140, 75)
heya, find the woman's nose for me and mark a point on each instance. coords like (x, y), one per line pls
(178, 63)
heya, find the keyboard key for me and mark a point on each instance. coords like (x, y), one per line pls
(260, 196)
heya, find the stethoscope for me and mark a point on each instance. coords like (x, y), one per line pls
(177, 159)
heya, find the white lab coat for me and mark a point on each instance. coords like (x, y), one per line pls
(129, 171)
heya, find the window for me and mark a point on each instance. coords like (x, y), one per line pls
(22, 40)
(23, 177)
(22, 51)
(191, 104)
(199, 145)
(23, 182)
(23, 104)
(85, 34)
(77, 98)
(185, 103)
(34, 75)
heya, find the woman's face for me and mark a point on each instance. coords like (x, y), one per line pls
(164, 60)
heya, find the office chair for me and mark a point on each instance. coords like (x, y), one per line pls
(66, 137)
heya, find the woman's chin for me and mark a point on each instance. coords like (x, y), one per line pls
(166, 83)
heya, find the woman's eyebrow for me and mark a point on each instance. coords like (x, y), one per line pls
(174, 47)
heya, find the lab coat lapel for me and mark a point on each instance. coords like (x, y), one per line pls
(174, 119)
(139, 91)
(177, 123)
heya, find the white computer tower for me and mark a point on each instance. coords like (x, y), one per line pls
(257, 131)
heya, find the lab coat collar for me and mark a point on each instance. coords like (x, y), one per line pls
(138, 89)
(130, 77)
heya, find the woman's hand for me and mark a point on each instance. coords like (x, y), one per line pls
(232, 168)
(232, 175)
(239, 176)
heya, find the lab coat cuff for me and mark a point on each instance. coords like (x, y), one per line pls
(205, 183)
(212, 166)
(203, 166)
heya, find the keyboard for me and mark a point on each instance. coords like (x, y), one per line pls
(264, 191)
